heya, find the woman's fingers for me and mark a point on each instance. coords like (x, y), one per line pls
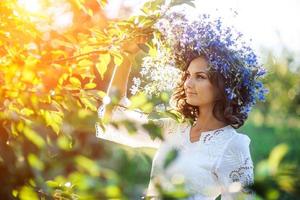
(132, 46)
(143, 39)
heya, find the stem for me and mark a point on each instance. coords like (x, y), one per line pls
(80, 55)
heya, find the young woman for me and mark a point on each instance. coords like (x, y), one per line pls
(213, 158)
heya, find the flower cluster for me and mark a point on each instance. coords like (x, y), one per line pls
(158, 74)
(225, 49)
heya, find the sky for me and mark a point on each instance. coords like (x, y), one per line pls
(269, 23)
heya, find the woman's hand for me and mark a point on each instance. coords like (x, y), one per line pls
(121, 73)
(132, 47)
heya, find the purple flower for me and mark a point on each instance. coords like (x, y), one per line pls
(225, 50)
(230, 94)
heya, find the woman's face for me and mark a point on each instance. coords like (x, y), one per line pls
(198, 89)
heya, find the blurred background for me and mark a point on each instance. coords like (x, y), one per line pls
(53, 77)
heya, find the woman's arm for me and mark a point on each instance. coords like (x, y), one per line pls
(120, 77)
(119, 80)
(235, 170)
(141, 137)
(118, 83)
(120, 113)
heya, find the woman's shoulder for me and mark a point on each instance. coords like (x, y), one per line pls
(238, 142)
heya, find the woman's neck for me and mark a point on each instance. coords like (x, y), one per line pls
(206, 120)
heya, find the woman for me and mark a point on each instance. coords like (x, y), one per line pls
(212, 157)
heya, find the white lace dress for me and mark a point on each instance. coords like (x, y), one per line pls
(219, 163)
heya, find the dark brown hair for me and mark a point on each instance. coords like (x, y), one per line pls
(227, 111)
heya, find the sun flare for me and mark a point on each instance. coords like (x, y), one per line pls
(53, 14)
(32, 6)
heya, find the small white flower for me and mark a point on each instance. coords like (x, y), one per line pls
(134, 90)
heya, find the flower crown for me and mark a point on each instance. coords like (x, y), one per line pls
(224, 48)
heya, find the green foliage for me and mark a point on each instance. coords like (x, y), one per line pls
(276, 178)
(51, 88)
(283, 101)
(50, 91)
(171, 156)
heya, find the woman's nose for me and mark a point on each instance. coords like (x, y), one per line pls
(188, 83)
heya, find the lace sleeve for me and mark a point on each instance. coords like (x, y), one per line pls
(235, 170)
(121, 134)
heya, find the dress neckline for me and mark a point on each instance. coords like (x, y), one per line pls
(206, 135)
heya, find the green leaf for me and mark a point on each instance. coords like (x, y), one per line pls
(64, 143)
(28, 193)
(61, 43)
(58, 53)
(153, 130)
(75, 82)
(190, 4)
(179, 2)
(165, 97)
(130, 126)
(89, 103)
(101, 94)
(173, 114)
(26, 111)
(90, 12)
(171, 156)
(90, 86)
(53, 119)
(102, 3)
(85, 63)
(138, 100)
(88, 165)
(148, 107)
(276, 156)
(152, 5)
(62, 78)
(52, 184)
(113, 192)
(34, 162)
(81, 5)
(98, 33)
(34, 137)
(118, 59)
(152, 51)
(101, 66)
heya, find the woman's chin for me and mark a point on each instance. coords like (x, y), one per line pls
(191, 102)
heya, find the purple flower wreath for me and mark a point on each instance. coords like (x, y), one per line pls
(225, 50)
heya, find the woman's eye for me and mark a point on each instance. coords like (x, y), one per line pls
(197, 76)
(200, 77)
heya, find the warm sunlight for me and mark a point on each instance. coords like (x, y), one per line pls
(103, 99)
(32, 6)
(55, 14)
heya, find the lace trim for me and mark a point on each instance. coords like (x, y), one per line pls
(209, 136)
(244, 175)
